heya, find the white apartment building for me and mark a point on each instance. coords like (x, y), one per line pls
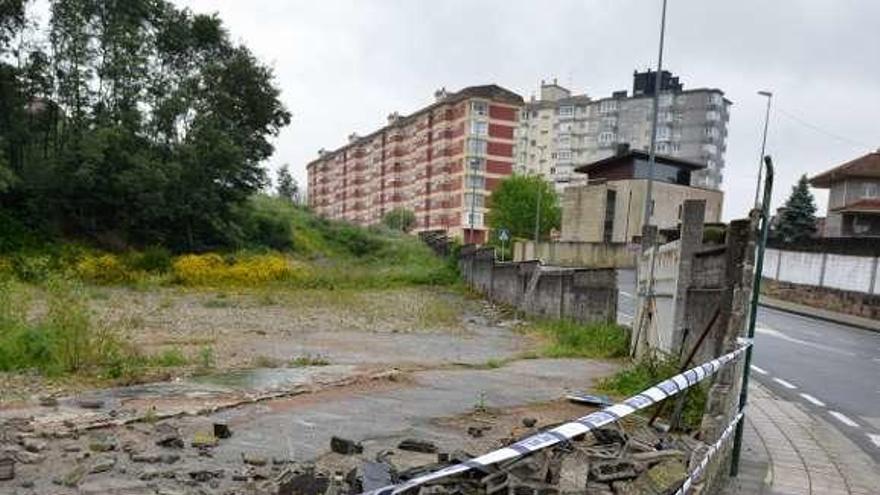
(560, 131)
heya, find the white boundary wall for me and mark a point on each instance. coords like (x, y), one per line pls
(836, 271)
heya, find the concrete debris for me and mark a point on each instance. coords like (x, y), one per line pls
(422, 446)
(103, 443)
(7, 467)
(221, 430)
(529, 422)
(254, 459)
(477, 431)
(168, 436)
(90, 403)
(33, 444)
(345, 446)
(102, 464)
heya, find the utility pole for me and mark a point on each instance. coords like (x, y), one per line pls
(652, 157)
(769, 97)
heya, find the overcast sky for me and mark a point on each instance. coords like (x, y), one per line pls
(343, 65)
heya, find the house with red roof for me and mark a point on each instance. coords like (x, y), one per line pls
(854, 199)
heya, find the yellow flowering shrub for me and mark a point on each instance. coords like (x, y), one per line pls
(103, 269)
(212, 270)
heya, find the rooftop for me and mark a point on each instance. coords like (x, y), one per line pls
(863, 166)
(622, 158)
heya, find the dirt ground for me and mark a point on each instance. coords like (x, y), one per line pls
(291, 370)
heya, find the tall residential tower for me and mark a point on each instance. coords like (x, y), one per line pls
(441, 162)
(560, 131)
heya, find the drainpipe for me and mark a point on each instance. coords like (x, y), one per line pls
(753, 311)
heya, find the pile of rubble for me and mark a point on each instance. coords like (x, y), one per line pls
(608, 461)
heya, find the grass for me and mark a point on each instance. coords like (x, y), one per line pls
(64, 339)
(649, 371)
(567, 339)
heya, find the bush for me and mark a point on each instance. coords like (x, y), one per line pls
(265, 222)
(103, 269)
(154, 259)
(248, 270)
(400, 219)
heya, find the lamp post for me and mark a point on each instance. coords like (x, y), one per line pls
(769, 97)
(652, 156)
(538, 203)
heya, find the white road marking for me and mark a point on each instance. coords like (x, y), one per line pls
(776, 333)
(785, 384)
(758, 370)
(843, 419)
(875, 439)
(816, 402)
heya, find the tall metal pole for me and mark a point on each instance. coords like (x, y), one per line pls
(753, 311)
(652, 156)
(769, 96)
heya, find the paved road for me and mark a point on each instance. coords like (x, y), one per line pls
(833, 369)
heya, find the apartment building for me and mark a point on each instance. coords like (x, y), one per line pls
(441, 162)
(561, 131)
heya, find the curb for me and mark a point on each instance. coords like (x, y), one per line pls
(817, 315)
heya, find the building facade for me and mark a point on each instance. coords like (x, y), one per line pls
(609, 208)
(441, 162)
(854, 199)
(560, 131)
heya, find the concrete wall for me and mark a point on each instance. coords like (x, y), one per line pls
(833, 271)
(584, 208)
(576, 254)
(583, 295)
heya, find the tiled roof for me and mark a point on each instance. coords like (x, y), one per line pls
(863, 166)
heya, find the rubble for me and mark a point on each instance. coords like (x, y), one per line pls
(168, 436)
(345, 446)
(7, 467)
(422, 446)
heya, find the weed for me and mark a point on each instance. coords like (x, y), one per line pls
(206, 358)
(265, 362)
(649, 371)
(218, 302)
(150, 417)
(309, 360)
(480, 405)
(571, 339)
(170, 358)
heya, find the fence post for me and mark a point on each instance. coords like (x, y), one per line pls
(822, 269)
(693, 216)
(779, 253)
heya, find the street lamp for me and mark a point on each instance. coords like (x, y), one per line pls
(769, 97)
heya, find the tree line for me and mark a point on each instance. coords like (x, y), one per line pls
(131, 122)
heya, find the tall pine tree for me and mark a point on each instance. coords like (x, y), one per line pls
(798, 220)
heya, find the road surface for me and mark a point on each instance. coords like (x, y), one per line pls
(832, 369)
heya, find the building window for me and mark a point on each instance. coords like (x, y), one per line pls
(662, 147)
(475, 182)
(477, 164)
(479, 108)
(473, 200)
(716, 99)
(663, 133)
(711, 131)
(565, 141)
(474, 219)
(610, 202)
(872, 190)
(665, 100)
(476, 147)
(524, 115)
(564, 155)
(608, 106)
(606, 138)
(479, 128)
(566, 111)
(713, 116)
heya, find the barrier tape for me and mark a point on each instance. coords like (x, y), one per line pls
(713, 449)
(567, 431)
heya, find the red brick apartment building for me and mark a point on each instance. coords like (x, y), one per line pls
(442, 162)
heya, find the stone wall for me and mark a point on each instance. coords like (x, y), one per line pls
(585, 295)
(843, 301)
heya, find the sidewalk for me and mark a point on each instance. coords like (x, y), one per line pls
(821, 314)
(787, 451)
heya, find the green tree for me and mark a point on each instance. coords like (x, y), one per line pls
(399, 219)
(286, 186)
(798, 220)
(514, 206)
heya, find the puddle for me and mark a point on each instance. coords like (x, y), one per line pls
(268, 379)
